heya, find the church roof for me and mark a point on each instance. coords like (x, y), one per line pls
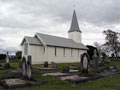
(60, 42)
(74, 24)
(32, 40)
(49, 40)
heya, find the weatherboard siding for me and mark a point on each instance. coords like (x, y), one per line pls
(39, 56)
(60, 58)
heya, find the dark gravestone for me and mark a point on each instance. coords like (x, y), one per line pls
(53, 65)
(95, 61)
(66, 69)
(24, 67)
(46, 64)
(20, 64)
(113, 57)
(29, 68)
(85, 62)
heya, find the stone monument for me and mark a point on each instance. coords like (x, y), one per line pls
(7, 65)
(46, 64)
(20, 64)
(24, 67)
(95, 61)
(53, 65)
(84, 63)
(66, 69)
(29, 68)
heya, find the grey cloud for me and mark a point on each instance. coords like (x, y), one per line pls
(24, 13)
(26, 17)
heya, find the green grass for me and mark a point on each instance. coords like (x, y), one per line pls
(109, 83)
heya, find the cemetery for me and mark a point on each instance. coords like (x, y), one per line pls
(47, 76)
(49, 62)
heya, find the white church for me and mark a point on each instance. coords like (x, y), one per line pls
(43, 47)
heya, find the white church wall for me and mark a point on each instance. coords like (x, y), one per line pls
(60, 58)
(76, 36)
(37, 54)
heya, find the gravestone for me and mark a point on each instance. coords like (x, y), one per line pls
(66, 69)
(95, 61)
(113, 57)
(53, 65)
(24, 67)
(7, 65)
(84, 62)
(29, 68)
(113, 68)
(20, 64)
(46, 64)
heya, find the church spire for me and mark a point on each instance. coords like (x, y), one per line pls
(74, 24)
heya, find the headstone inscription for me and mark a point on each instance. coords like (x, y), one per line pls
(95, 61)
(85, 62)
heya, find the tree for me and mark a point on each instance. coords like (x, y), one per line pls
(19, 54)
(112, 43)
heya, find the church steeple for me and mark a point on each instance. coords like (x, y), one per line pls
(74, 24)
(74, 33)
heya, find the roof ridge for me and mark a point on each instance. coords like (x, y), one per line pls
(55, 36)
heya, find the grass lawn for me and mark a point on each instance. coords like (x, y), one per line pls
(109, 83)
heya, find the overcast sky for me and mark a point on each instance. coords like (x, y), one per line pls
(19, 18)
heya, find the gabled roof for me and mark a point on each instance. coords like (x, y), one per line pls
(60, 42)
(32, 40)
(74, 24)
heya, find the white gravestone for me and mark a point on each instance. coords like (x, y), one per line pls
(85, 62)
(24, 67)
(7, 58)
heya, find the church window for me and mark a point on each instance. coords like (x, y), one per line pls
(71, 52)
(25, 48)
(78, 52)
(55, 51)
(44, 49)
(63, 51)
